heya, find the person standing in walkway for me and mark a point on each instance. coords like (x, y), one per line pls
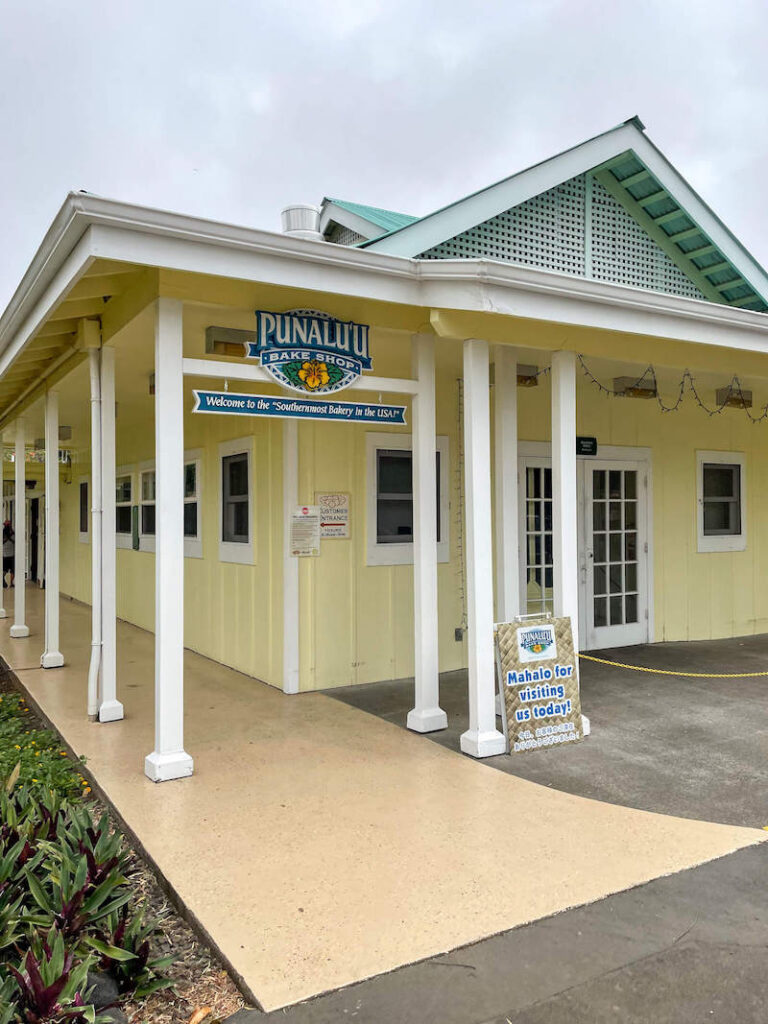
(9, 548)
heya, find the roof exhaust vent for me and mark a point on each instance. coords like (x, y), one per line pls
(302, 220)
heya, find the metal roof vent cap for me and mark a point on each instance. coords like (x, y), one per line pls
(302, 220)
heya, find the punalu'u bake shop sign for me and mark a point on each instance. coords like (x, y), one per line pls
(310, 352)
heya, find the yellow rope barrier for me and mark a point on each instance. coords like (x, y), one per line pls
(669, 672)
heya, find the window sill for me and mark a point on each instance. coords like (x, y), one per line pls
(238, 553)
(193, 548)
(123, 540)
(146, 543)
(709, 545)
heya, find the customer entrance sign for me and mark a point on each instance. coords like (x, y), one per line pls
(232, 403)
(539, 683)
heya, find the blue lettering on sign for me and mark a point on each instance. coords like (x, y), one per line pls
(311, 354)
(296, 408)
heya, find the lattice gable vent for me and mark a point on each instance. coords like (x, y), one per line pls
(343, 236)
(550, 231)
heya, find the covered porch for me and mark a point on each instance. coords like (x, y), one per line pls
(318, 845)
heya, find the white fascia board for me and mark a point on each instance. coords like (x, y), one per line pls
(353, 221)
(475, 209)
(466, 285)
(702, 215)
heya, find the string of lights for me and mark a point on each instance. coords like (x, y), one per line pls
(647, 381)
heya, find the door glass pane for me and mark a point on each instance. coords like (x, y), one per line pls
(616, 611)
(615, 515)
(615, 577)
(630, 577)
(598, 516)
(599, 579)
(615, 547)
(631, 547)
(614, 483)
(600, 612)
(630, 515)
(630, 484)
(539, 575)
(631, 608)
(599, 547)
(598, 484)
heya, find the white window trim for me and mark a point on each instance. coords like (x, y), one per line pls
(402, 554)
(723, 542)
(146, 540)
(125, 540)
(193, 546)
(84, 537)
(230, 551)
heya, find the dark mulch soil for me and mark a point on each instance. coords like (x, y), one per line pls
(202, 988)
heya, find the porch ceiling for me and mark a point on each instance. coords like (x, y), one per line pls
(55, 341)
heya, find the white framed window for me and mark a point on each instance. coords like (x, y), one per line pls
(389, 499)
(84, 509)
(147, 495)
(124, 501)
(236, 500)
(193, 531)
(721, 501)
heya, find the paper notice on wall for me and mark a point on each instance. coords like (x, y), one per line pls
(334, 513)
(305, 531)
(538, 675)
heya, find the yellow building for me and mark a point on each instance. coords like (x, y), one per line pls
(338, 454)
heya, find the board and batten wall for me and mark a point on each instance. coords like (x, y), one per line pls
(356, 620)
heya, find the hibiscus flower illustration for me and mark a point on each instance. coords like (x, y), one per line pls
(314, 374)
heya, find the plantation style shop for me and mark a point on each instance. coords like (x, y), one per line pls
(341, 453)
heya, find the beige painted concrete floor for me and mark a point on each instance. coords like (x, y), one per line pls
(319, 845)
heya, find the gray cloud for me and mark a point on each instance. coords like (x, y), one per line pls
(232, 109)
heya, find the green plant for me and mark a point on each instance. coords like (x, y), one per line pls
(51, 985)
(43, 765)
(125, 947)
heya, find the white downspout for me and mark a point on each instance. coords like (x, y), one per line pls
(94, 356)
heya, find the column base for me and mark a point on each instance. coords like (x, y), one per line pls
(17, 631)
(427, 719)
(483, 744)
(3, 613)
(52, 659)
(164, 767)
(111, 711)
(498, 705)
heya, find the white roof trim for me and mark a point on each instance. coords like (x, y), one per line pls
(89, 228)
(476, 209)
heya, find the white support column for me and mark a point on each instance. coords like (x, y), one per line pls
(426, 714)
(482, 739)
(505, 490)
(291, 632)
(169, 760)
(564, 500)
(20, 627)
(52, 656)
(110, 708)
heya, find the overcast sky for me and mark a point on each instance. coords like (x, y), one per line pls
(231, 109)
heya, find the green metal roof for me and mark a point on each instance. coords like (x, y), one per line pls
(387, 220)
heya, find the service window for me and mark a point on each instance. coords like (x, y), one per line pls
(390, 499)
(84, 520)
(236, 501)
(123, 509)
(193, 546)
(147, 494)
(721, 501)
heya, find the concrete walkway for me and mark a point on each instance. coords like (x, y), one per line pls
(697, 748)
(319, 845)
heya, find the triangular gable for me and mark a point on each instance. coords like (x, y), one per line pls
(678, 231)
(349, 223)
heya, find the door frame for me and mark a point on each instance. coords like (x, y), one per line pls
(541, 452)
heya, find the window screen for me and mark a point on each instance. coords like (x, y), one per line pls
(123, 499)
(235, 513)
(148, 502)
(722, 499)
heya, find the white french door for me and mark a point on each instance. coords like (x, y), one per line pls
(613, 530)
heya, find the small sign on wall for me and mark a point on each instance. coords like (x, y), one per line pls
(334, 513)
(305, 531)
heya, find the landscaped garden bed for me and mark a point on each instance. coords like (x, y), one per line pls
(86, 932)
